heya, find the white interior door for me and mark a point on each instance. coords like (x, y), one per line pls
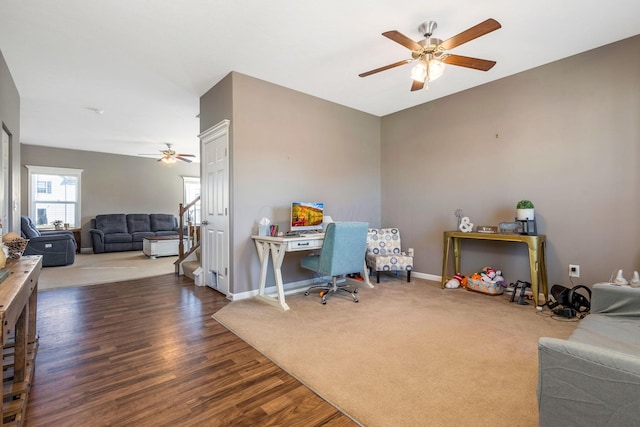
(215, 204)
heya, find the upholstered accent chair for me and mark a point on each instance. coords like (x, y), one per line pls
(56, 247)
(342, 253)
(384, 252)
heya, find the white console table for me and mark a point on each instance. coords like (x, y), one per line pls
(278, 247)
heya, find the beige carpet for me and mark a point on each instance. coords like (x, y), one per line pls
(407, 354)
(93, 269)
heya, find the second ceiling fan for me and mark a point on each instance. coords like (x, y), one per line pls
(431, 53)
(170, 156)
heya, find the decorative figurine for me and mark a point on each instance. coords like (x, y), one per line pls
(466, 226)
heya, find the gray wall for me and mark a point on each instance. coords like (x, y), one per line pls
(10, 121)
(217, 104)
(288, 146)
(565, 135)
(113, 183)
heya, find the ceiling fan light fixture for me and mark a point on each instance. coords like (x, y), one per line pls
(436, 68)
(168, 160)
(431, 52)
(419, 71)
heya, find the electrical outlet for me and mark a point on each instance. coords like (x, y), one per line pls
(574, 270)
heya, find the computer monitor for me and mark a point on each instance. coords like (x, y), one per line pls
(306, 216)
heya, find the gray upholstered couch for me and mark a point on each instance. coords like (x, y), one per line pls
(593, 378)
(120, 232)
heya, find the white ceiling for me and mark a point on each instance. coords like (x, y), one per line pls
(146, 63)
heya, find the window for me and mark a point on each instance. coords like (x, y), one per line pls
(43, 187)
(54, 195)
(191, 191)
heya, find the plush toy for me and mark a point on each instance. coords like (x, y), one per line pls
(500, 280)
(488, 274)
(476, 276)
(455, 281)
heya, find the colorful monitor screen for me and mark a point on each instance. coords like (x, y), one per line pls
(306, 216)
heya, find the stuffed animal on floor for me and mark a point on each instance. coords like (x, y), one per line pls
(455, 282)
(489, 274)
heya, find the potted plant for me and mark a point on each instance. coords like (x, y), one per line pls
(524, 210)
(57, 224)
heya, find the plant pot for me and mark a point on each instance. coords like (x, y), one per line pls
(524, 214)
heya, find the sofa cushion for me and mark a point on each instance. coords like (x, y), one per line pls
(384, 241)
(140, 236)
(117, 238)
(613, 333)
(138, 223)
(112, 223)
(163, 222)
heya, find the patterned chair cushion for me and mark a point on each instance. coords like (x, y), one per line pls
(384, 251)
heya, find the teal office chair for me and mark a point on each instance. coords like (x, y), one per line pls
(343, 251)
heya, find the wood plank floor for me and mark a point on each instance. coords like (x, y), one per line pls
(147, 353)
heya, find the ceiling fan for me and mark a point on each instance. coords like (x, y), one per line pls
(170, 156)
(431, 54)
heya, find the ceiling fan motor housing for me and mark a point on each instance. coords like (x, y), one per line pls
(427, 28)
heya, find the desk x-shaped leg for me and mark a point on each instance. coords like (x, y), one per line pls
(277, 251)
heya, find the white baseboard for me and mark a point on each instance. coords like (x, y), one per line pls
(289, 288)
(302, 285)
(426, 276)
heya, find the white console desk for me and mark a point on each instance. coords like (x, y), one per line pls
(278, 247)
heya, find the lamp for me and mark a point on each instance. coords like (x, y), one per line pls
(168, 160)
(427, 70)
(419, 72)
(436, 68)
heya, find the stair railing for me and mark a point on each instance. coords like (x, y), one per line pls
(193, 233)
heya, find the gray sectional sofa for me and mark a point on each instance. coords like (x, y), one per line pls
(593, 378)
(125, 232)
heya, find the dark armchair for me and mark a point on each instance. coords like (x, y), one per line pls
(56, 247)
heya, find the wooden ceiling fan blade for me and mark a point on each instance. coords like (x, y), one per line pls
(185, 155)
(400, 38)
(466, 61)
(472, 33)
(386, 67)
(416, 85)
(183, 159)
